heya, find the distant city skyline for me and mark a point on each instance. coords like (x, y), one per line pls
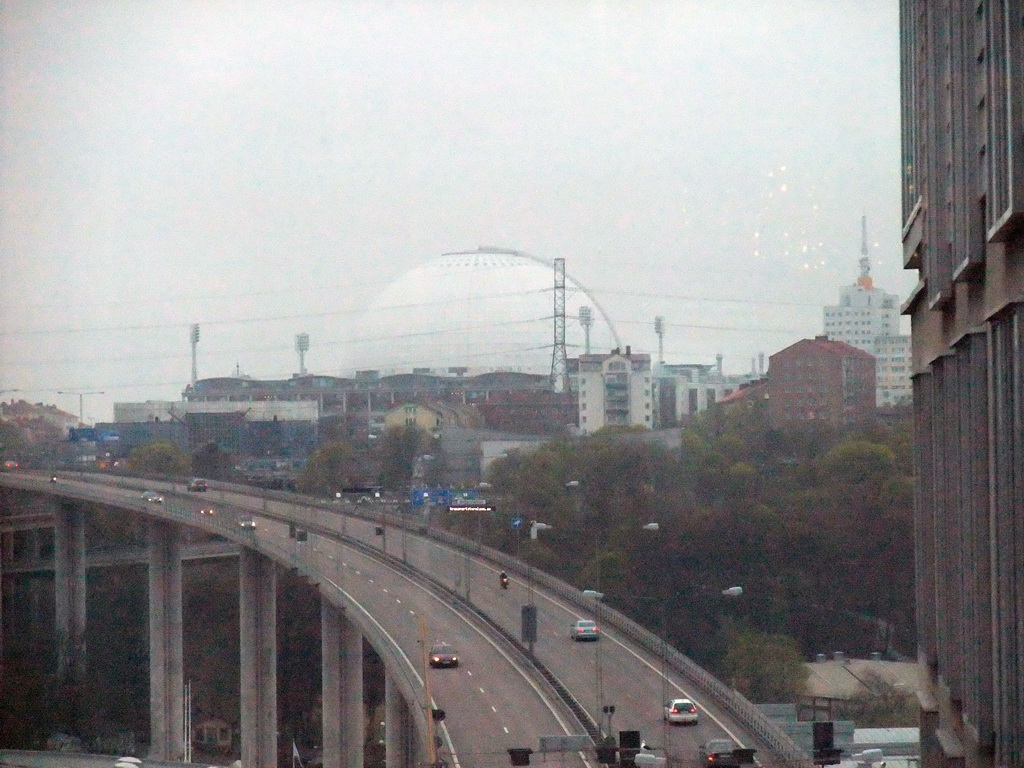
(70, 400)
(265, 170)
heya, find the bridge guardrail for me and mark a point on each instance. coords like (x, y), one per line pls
(760, 725)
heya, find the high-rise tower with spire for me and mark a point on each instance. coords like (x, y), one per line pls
(869, 318)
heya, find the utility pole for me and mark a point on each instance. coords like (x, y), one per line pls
(81, 396)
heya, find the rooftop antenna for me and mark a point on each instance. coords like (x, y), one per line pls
(302, 347)
(559, 367)
(864, 281)
(586, 320)
(194, 339)
(659, 328)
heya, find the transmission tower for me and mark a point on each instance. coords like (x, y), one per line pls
(559, 367)
(659, 328)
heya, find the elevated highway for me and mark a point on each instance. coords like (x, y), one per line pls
(392, 575)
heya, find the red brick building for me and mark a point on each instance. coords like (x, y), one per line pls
(820, 379)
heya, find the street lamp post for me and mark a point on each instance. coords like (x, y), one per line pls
(81, 396)
(597, 596)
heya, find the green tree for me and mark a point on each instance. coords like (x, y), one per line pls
(12, 441)
(766, 668)
(211, 461)
(327, 471)
(399, 448)
(159, 458)
(857, 461)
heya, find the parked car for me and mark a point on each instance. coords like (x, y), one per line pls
(153, 497)
(198, 485)
(584, 629)
(443, 655)
(680, 711)
(716, 750)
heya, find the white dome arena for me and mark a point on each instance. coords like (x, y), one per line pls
(484, 310)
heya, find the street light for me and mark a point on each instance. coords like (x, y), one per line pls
(597, 596)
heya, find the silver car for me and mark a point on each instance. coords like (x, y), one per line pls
(584, 629)
(153, 497)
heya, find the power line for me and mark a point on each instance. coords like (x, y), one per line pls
(269, 318)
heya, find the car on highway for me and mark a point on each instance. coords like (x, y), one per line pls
(10, 464)
(207, 511)
(584, 629)
(198, 485)
(680, 712)
(443, 655)
(153, 497)
(716, 750)
(247, 523)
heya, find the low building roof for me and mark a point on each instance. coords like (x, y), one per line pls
(847, 678)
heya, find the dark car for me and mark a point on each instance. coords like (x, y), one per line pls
(716, 750)
(198, 485)
(443, 655)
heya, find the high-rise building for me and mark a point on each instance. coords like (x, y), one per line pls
(963, 230)
(617, 389)
(868, 318)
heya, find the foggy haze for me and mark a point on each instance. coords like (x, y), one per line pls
(265, 169)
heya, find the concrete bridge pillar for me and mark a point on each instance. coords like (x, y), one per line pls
(399, 740)
(69, 591)
(166, 677)
(258, 643)
(342, 689)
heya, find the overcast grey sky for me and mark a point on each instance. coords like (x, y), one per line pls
(262, 168)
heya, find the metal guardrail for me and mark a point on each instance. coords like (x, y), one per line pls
(762, 727)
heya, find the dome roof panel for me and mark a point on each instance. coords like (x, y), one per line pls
(485, 310)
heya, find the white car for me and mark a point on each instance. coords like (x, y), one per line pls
(153, 497)
(247, 523)
(680, 711)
